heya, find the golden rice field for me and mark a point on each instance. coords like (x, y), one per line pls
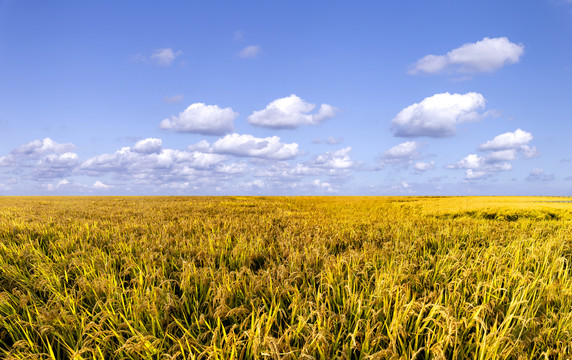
(285, 278)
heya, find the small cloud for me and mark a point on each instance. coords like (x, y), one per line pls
(148, 146)
(486, 55)
(339, 159)
(289, 113)
(250, 146)
(173, 99)
(323, 185)
(202, 119)
(506, 146)
(164, 57)
(98, 185)
(238, 35)
(330, 140)
(538, 175)
(438, 115)
(250, 52)
(404, 152)
(568, 178)
(159, 57)
(424, 166)
(60, 184)
(508, 140)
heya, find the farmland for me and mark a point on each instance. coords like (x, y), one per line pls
(285, 277)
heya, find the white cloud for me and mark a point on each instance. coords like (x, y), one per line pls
(101, 186)
(56, 165)
(402, 152)
(60, 184)
(323, 185)
(164, 57)
(424, 166)
(289, 113)
(339, 159)
(471, 174)
(507, 146)
(438, 115)
(471, 161)
(501, 155)
(478, 167)
(509, 140)
(42, 159)
(336, 165)
(250, 52)
(501, 150)
(37, 148)
(148, 162)
(202, 119)
(148, 146)
(202, 146)
(250, 146)
(486, 55)
(174, 99)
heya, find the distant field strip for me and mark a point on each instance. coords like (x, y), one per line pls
(285, 278)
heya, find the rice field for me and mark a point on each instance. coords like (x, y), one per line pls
(285, 278)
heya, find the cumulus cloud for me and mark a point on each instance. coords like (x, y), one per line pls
(202, 119)
(250, 52)
(486, 55)
(128, 162)
(56, 165)
(334, 164)
(250, 146)
(424, 166)
(60, 184)
(147, 162)
(164, 57)
(339, 159)
(477, 167)
(500, 151)
(438, 115)
(401, 153)
(42, 159)
(291, 112)
(98, 185)
(322, 185)
(508, 144)
(148, 146)
(37, 148)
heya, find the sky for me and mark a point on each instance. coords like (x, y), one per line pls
(286, 97)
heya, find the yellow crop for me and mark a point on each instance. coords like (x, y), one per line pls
(285, 278)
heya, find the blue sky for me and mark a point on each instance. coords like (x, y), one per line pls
(286, 97)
